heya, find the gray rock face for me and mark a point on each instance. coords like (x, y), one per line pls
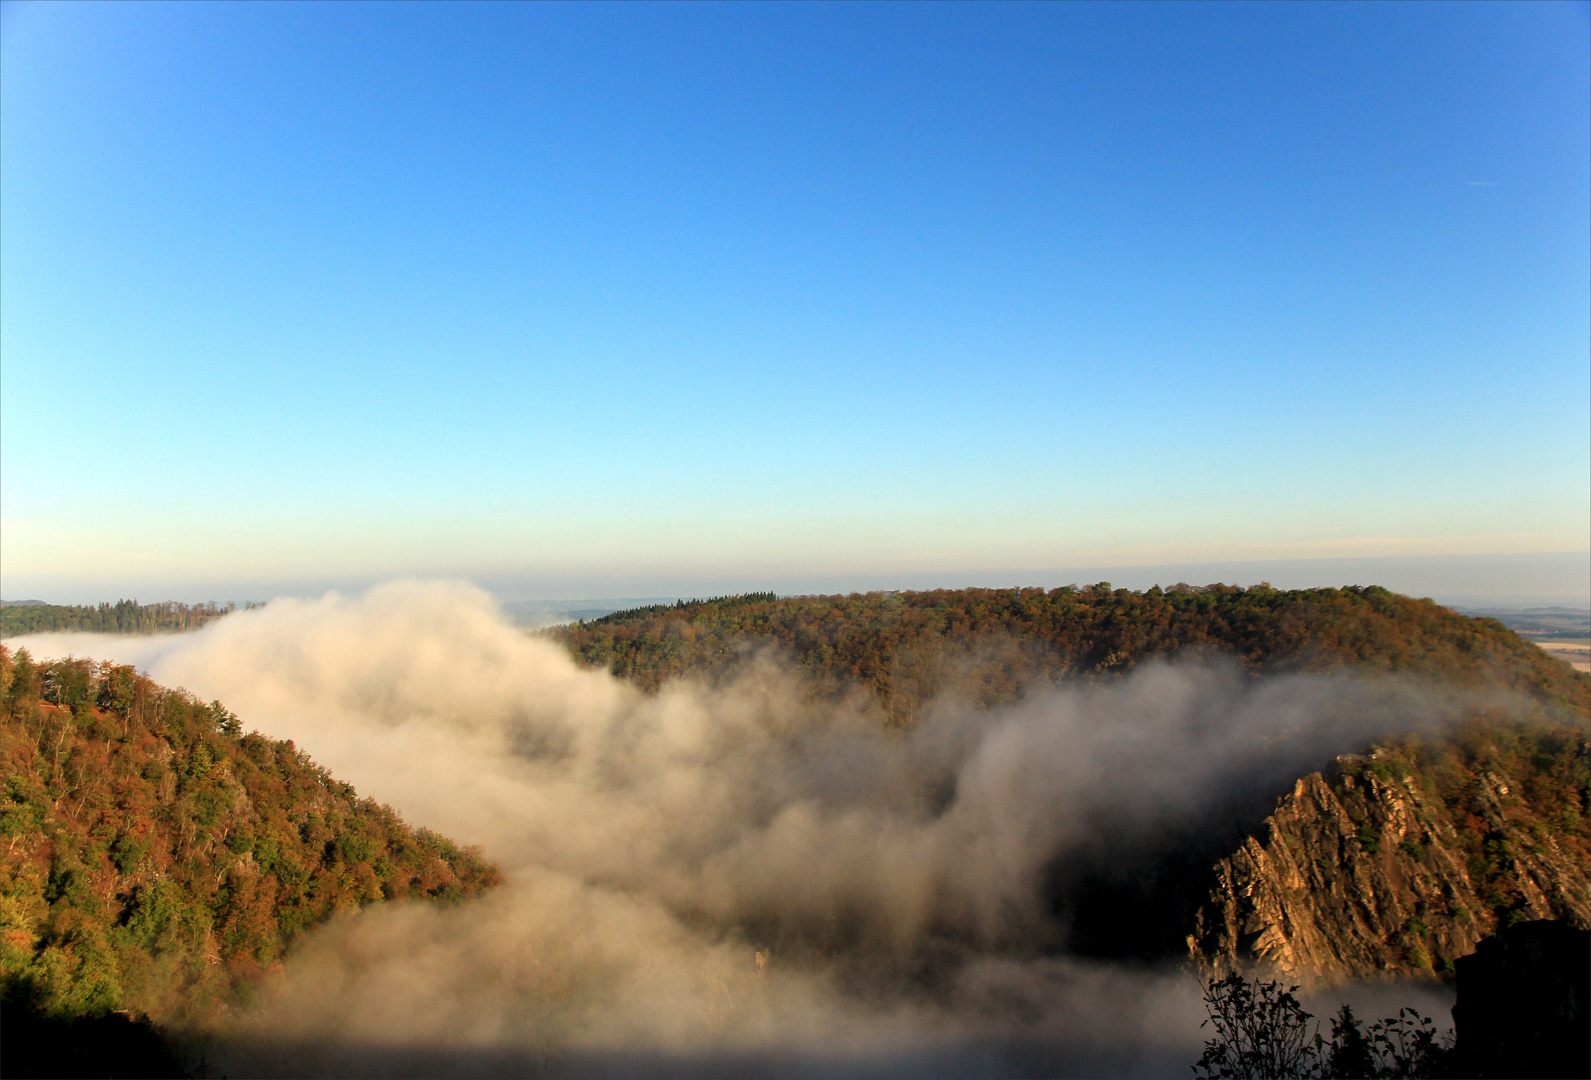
(1367, 877)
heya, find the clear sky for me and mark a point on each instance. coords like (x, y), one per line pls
(613, 299)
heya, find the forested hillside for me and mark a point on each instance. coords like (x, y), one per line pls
(1395, 861)
(995, 643)
(122, 617)
(155, 859)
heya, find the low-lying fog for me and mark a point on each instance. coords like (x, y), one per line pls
(732, 879)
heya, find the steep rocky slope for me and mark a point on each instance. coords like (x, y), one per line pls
(1372, 869)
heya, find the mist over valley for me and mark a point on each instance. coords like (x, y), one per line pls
(994, 863)
(534, 539)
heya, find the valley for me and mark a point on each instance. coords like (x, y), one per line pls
(783, 808)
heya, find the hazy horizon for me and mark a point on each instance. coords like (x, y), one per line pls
(1559, 579)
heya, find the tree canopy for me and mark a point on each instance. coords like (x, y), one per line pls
(122, 617)
(994, 643)
(155, 858)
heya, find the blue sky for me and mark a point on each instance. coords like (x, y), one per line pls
(628, 299)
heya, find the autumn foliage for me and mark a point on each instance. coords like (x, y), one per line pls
(155, 859)
(993, 644)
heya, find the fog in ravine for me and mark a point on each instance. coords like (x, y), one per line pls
(741, 877)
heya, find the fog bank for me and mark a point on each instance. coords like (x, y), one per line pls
(737, 877)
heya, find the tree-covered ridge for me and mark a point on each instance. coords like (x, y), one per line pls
(1529, 779)
(155, 859)
(122, 617)
(715, 604)
(906, 646)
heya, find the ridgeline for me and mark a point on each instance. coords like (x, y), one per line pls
(122, 617)
(998, 643)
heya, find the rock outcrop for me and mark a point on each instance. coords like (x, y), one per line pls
(1363, 872)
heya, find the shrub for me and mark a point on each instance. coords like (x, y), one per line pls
(1260, 1031)
(1263, 1033)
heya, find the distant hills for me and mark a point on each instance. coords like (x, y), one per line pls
(1541, 621)
(122, 617)
(131, 617)
(539, 613)
(114, 618)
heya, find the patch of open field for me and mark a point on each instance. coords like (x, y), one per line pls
(1577, 653)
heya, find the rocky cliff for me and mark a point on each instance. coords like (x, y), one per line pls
(1387, 866)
